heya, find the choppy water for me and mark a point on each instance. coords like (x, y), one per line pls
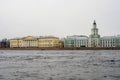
(60, 65)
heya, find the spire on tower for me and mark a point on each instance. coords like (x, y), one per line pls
(94, 22)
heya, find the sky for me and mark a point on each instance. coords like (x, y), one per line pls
(60, 18)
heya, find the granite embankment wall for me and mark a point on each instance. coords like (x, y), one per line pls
(82, 48)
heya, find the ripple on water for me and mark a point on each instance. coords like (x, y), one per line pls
(60, 65)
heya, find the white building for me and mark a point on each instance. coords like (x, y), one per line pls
(76, 41)
(110, 41)
(94, 38)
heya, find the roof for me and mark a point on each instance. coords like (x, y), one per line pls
(77, 37)
(108, 37)
(46, 37)
(29, 38)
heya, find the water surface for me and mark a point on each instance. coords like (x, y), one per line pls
(60, 65)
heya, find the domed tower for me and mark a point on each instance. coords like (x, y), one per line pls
(94, 37)
(94, 30)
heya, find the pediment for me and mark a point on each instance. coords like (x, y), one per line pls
(29, 38)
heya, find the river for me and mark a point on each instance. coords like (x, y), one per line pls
(60, 65)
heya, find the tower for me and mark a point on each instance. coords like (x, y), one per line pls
(94, 30)
(94, 37)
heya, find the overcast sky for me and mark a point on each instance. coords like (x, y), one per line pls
(59, 18)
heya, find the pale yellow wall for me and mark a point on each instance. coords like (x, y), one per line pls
(61, 44)
(48, 42)
(14, 43)
(20, 43)
(30, 41)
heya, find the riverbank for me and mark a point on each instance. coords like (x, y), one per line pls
(82, 48)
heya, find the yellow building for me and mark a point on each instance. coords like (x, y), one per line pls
(61, 44)
(33, 42)
(49, 42)
(30, 41)
(26, 42)
(14, 43)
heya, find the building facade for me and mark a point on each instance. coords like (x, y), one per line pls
(76, 41)
(68, 42)
(14, 43)
(94, 38)
(33, 42)
(49, 42)
(29, 41)
(25, 42)
(110, 41)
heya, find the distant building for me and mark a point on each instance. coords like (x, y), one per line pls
(110, 41)
(76, 41)
(49, 41)
(26, 42)
(61, 44)
(94, 38)
(33, 42)
(68, 42)
(14, 43)
(29, 41)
